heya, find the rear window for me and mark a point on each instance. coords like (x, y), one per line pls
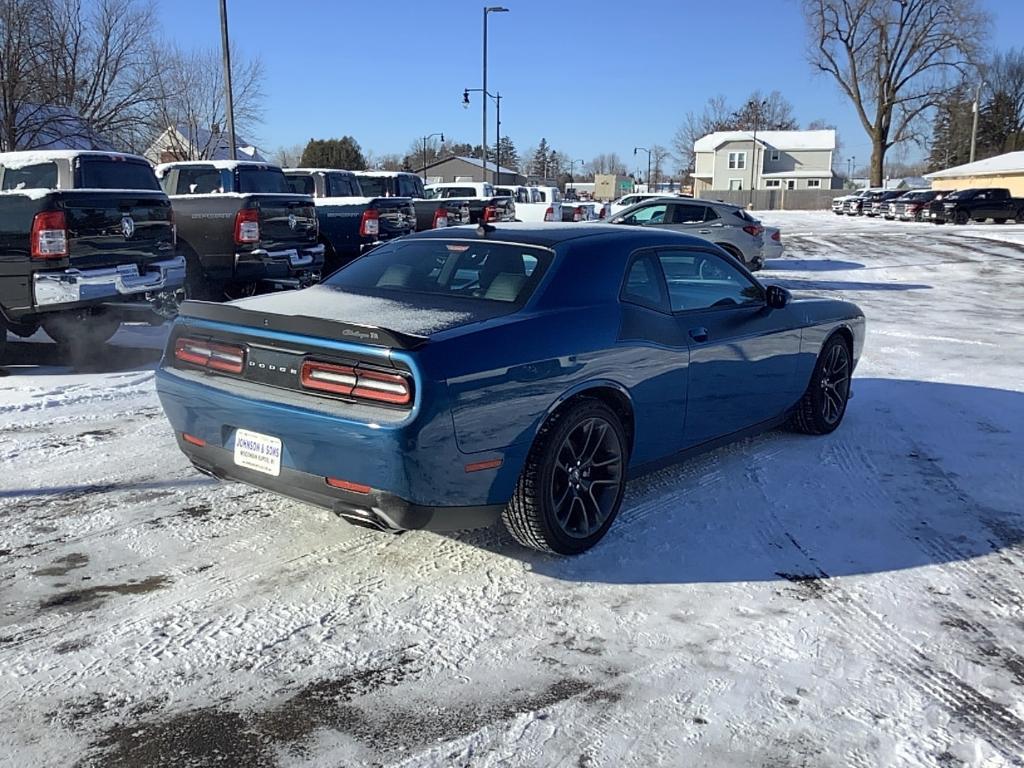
(481, 271)
(38, 176)
(300, 184)
(198, 180)
(261, 180)
(102, 173)
(341, 185)
(410, 186)
(374, 186)
(447, 192)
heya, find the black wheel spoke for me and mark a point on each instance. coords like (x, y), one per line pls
(585, 488)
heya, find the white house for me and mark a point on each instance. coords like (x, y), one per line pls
(190, 142)
(776, 160)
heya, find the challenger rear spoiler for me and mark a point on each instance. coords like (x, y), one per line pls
(301, 324)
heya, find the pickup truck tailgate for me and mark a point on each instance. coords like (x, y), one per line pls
(286, 221)
(107, 228)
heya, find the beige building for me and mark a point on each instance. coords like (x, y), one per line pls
(610, 186)
(999, 171)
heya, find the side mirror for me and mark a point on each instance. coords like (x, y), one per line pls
(776, 297)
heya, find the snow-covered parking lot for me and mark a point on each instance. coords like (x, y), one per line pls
(851, 600)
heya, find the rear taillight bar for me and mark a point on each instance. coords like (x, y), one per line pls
(369, 224)
(348, 381)
(247, 226)
(753, 230)
(490, 213)
(49, 235)
(225, 358)
(549, 214)
(440, 218)
(577, 215)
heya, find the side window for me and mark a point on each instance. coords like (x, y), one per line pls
(649, 214)
(543, 196)
(688, 214)
(710, 214)
(644, 284)
(340, 185)
(700, 280)
(299, 184)
(410, 186)
(198, 181)
(37, 176)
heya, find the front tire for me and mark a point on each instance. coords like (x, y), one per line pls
(571, 487)
(961, 217)
(823, 405)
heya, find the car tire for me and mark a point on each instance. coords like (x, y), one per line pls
(3, 339)
(198, 286)
(961, 217)
(558, 505)
(823, 405)
(79, 332)
(733, 251)
(999, 221)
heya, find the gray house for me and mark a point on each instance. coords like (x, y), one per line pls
(458, 168)
(776, 160)
(190, 142)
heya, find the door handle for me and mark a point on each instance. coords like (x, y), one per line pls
(703, 231)
(699, 334)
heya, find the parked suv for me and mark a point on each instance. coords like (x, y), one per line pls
(727, 226)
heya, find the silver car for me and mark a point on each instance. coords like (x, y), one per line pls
(727, 226)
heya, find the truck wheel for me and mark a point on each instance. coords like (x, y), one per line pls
(197, 285)
(999, 221)
(79, 331)
(23, 330)
(3, 340)
(961, 217)
(572, 483)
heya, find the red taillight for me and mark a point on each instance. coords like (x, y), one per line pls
(603, 213)
(577, 215)
(196, 441)
(247, 226)
(549, 214)
(490, 212)
(913, 208)
(369, 224)
(440, 218)
(777, 236)
(49, 235)
(356, 382)
(753, 230)
(206, 354)
(345, 485)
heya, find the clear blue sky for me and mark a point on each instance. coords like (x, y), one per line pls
(591, 76)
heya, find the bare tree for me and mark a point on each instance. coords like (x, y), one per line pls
(659, 156)
(190, 97)
(287, 156)
(99, 66)
(894, 59)
(22, 115)
(767, 113)
(606, 162)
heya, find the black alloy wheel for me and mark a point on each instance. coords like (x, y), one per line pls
(823, 405)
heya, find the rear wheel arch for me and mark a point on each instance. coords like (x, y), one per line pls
(611, 394)
(733, 251)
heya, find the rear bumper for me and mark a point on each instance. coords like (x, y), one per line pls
(74, 287)
(376, 509)
(288, 267)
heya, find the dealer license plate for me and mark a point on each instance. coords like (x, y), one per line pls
(258, 452)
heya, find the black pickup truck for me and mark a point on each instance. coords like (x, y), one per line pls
(86, 242)
(980, 204)
(350, 222)
(479, 198)
(430, 214)
(241, 229)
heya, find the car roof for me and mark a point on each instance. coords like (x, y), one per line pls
(551, 234)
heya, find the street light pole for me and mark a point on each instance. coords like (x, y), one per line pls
(425, 140)
(572, 172)
(497, 139)
(483, 148)
(645, 149)
(757, 106)
(226, 53)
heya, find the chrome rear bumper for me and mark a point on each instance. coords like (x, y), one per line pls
(72, 286)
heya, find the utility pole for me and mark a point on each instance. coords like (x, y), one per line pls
(497, 140)
(226, 51)
(645, 149)
(974, 126)
(425, 140)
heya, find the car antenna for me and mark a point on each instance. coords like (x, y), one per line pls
(483, 228)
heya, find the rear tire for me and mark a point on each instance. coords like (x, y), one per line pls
(961, 217)
(999, 221)
(572, 484)
(823, 405)
(198, 286)
(3, 339)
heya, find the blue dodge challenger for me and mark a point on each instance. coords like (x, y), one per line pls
(460, 375)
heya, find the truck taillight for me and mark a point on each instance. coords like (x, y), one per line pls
(369, 224)
(345, 380)
(225, 358)
(490, 213)
(603, 214)
(549, 214)
(247, 226)
(49, 235)
(440, 218)
(577, 214)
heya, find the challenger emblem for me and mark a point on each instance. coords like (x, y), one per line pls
(127, 227)
(292, 221)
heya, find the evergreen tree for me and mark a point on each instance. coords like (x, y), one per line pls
(508, 156)
(951, 133)
(541, 160)
(343, 153)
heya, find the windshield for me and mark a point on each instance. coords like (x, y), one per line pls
(104, 173)
(475, 270)
(261, 180)
(447, 192)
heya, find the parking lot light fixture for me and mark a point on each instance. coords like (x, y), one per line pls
(645, 149)
(488, 10)
(425, 140)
